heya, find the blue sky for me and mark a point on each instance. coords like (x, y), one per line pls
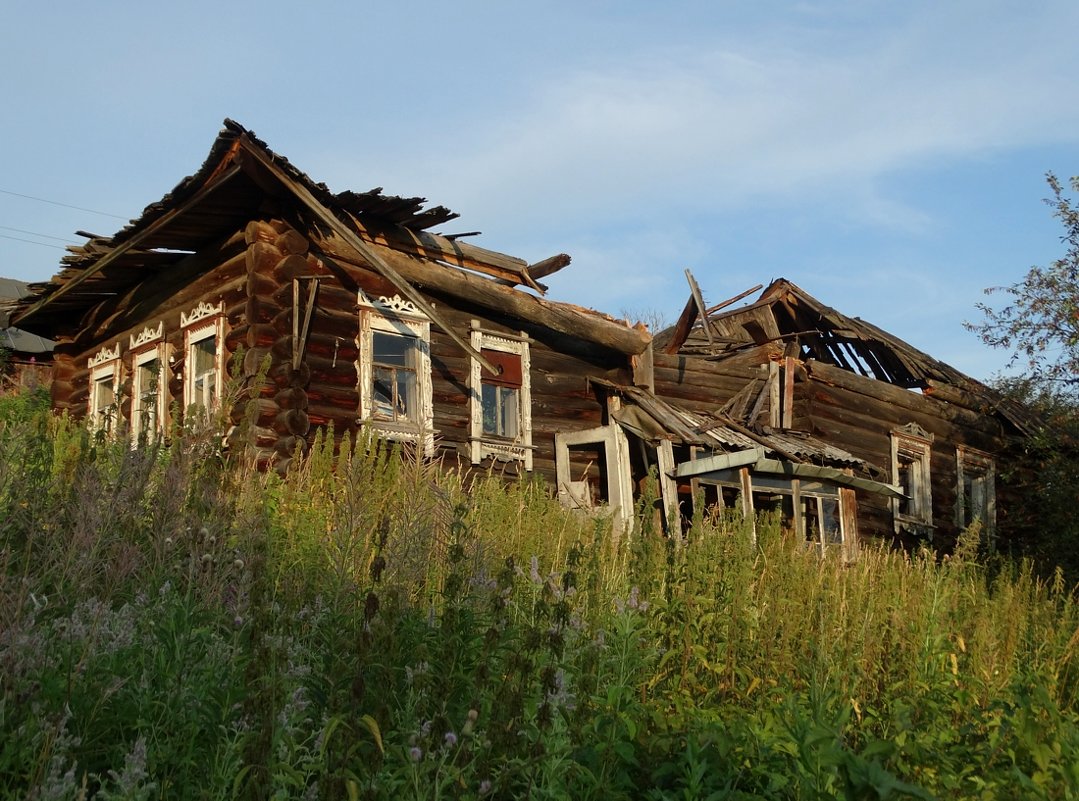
(888, 157)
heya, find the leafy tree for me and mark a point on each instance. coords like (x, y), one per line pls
(1040, 322)
(1040, 326)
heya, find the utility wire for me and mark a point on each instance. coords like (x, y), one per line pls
(58, 203)
(32, 242)
(34, 233)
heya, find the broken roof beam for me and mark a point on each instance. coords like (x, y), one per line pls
(560, 317)
(368, 253)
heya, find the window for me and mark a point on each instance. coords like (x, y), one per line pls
(911, 454)
(501, 405)
(149, 384)
(204, 356)
(976, 489)
(395, 370)
(103, 406)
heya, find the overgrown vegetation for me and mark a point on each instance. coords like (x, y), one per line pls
(176, 625)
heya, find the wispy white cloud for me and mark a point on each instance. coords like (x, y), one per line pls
(680, 128)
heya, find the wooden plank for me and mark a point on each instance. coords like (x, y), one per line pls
(698, 299)
(722, 461)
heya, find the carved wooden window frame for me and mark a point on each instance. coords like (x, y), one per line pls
(912, 445)
(104, 370)
(205, 321)
(981, 468)
(398, 317)
(481, 444)
(145, 348)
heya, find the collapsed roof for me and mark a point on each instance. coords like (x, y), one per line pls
(789, 316)
(242, 180)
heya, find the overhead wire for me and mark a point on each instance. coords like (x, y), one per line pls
(58, 203)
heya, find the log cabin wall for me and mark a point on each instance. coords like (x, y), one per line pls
(215, 276)
(859, 414)
(562, 398)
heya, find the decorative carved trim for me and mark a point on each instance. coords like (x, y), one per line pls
(914, 431)
(105, 355)
(201, 312)
(395, 305)
(148, 335)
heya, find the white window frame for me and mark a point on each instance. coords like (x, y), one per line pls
(147, 347)
(204, 322)
(104, 367)
(913, 445)
(400, 317)
(982, 469)
(483, 446)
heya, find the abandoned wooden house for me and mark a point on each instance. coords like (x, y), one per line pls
(350, 312)
(366, 318)
(788, 367)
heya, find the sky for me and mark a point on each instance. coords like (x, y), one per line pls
(887, 157)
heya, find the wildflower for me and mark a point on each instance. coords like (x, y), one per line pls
(415, 753)
(485, 787)
(207, 558)
(451, 739)
(238, 564)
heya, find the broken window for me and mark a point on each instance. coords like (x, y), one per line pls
(500, 404)
(204, 357)
(103, 406)
(911, 459)
(976, 490)
(395, 370)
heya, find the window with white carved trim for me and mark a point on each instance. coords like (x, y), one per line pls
(204, 356)
(911, 460)
(976, 489)
(149, 385)
(500, 418)
(395, 370)
(103, 407)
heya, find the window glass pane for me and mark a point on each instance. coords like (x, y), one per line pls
(148, 378)
(395, 391)
(392, 349)
(203, 357)
(500, 411)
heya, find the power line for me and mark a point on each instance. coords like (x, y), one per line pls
(32, 242)
(65, 205)
(34, 233)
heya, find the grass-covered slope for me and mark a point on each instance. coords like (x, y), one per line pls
(176, 625)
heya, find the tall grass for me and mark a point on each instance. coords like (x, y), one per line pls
(176, 624)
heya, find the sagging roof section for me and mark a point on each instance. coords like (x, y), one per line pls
(732, 444)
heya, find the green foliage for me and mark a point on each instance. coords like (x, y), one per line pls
(1039, 322)
(175, 624)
